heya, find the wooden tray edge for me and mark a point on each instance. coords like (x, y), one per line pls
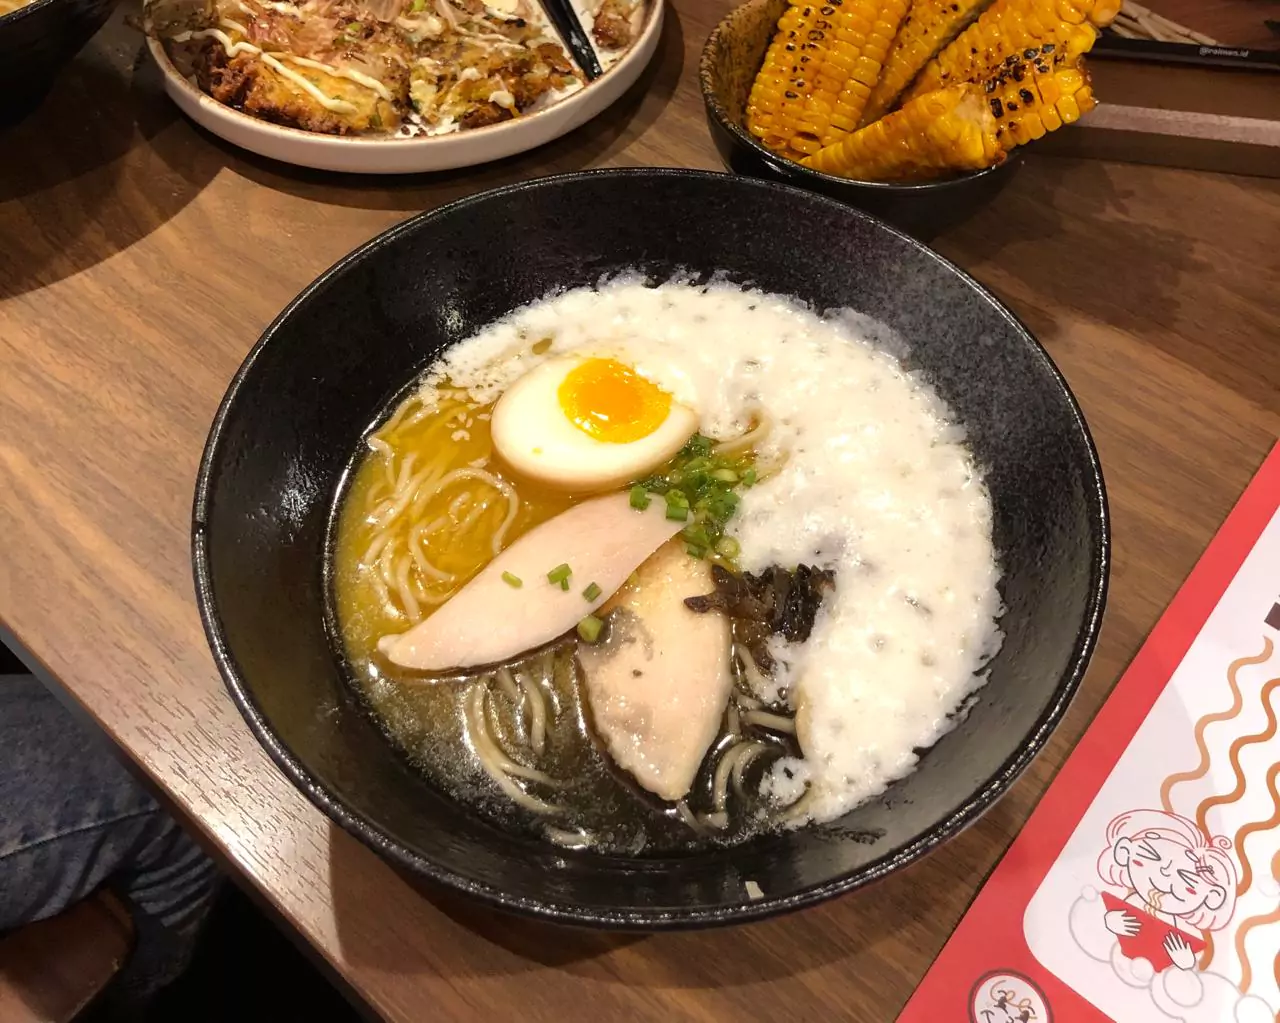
(1172, 138)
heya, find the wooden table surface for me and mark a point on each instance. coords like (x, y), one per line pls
(139, 261)
(1230, 22)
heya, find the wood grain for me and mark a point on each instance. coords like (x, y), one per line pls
(140, 259)
(1230, 22)
(1176, 115)
(1169, 138)
(1182, 87)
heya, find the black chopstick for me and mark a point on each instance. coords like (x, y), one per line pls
(571, 31)
(1110, 45)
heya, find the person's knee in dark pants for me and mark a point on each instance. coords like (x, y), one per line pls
(73, 821)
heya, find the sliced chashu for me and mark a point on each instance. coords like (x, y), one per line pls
(659, 682)
(490, 620)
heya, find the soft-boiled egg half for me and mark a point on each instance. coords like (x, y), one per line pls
(588, 423)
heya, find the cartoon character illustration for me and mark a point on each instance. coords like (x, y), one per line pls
(1178, 883)
(1008, 998)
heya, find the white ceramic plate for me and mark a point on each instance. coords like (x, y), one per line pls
(412, 155)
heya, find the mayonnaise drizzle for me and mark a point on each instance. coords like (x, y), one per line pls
(216, 33)
(292, 10)
(359, 77)
(330, 103)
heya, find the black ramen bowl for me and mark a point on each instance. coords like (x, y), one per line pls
(730, 59)
(296, 412)
(35, 42)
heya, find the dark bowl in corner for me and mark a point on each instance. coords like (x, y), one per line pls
(294, 415)
(730, 59)
(36, 41)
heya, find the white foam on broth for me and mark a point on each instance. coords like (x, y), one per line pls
(877, 485)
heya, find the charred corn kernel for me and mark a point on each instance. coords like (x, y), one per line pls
(779, 90)
(1028, 104)
(952, 129)
(818, 72)
(929, 25)
(1060, 30)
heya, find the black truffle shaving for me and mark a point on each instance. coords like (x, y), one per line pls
(785, 603)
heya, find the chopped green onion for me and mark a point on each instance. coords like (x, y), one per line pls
(355, 28)
(564, 584)
(696, 533)
(727, 547)
(722, 506)
(512, 580)
(702, 489)
(589, 628)
(697, 446)
(591, 592)
(418, 5)
(560, 574)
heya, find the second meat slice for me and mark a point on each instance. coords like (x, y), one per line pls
(658, 684)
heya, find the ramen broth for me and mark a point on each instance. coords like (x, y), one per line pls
(425, 718)
(839, 459)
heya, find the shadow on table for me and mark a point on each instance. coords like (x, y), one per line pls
(594, 142)
(1113, 265)
(454, 937)
(100, 165)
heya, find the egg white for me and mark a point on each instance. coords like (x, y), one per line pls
(534, 437)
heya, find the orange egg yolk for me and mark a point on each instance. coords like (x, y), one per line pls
(612, 402)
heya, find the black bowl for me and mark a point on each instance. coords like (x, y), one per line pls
(35, 42)
(730, 59)
(329, 365)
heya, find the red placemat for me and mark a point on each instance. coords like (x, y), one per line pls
(1145, 888)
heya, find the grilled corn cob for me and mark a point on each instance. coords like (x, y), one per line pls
(1029, 102)
(779, 90)
(1063, 29)
(819, 70)
(952, 129)
(928, 27)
